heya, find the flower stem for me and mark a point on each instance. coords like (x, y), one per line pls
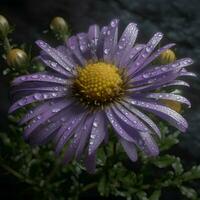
(6, 44)
(89, 186)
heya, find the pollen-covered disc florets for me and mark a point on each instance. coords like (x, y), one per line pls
(98, 83)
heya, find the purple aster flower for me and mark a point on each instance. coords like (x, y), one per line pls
(94, 81)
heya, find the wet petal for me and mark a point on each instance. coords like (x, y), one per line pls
(174, 118)
(68, 129)
(56, 55)
(73, 45)
(128, 118)
(55, 66)
(158, 71)
(110, 41)
(143, 117)
(41, 77)
(93, 35)
(125, 43)
(168, 96)
(35, 98)
(149, 145)
(100, 46)
(114, 121)
(97, 133)
(90, 163)
(177, 83)
(85, 133)
(157, 53)
(130, 149)
(150, 46)
(42, 118)
(84, 45)
(132, 55)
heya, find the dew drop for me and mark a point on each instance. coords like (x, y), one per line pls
(106, 51)
(37, 96)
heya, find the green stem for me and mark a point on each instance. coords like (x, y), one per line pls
(54, 171)
(15, 173)
(6, 44)
(89, 186)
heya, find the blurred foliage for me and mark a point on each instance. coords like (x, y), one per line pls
(38, 174)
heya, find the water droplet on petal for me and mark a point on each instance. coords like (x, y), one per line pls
(37, 96)
(106, 51)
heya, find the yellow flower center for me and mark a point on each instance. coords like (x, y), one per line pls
(98, 83)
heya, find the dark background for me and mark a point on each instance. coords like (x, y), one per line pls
(179, 20)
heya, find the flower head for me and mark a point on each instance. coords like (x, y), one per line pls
(94, 81)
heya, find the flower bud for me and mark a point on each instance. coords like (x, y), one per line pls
(4, 26)
(174, 105)
(59, 25)
(167, 57)
(17, 58)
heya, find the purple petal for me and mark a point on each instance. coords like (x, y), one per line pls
(85, 133)
(168, 96)
(56, 55)
(93, 35)
(184, 72)
(125, 43)
(55, 66)
(67, 56)
(142, 139)
(130, 149)
(100, 46)
(131, 55)
(79, 140)
(42, 118)
(35, 98)
(36, 111)
(112, 117)
(129, 118)
(177, 83)
(149, 145)
(136, 66)
(110, 41)
(73, 45)
(162, 70)
(157, 53)
(67, 130)
(84, 45)
(23, 88)
(174, 118)
(153, 84)
(45, 133)
(42, 77)
(90, 163)
(142, 116)
(97, 133)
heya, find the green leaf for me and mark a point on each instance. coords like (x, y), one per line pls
(164, 161)
(142, 195)
(103, 187)
(190, 193)
(193, 173)
(169, 141)
(177, 166)
(156, 195)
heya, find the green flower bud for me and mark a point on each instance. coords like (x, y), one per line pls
(17, 58)
(167, 57)
(4, 26)
(59, 25)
